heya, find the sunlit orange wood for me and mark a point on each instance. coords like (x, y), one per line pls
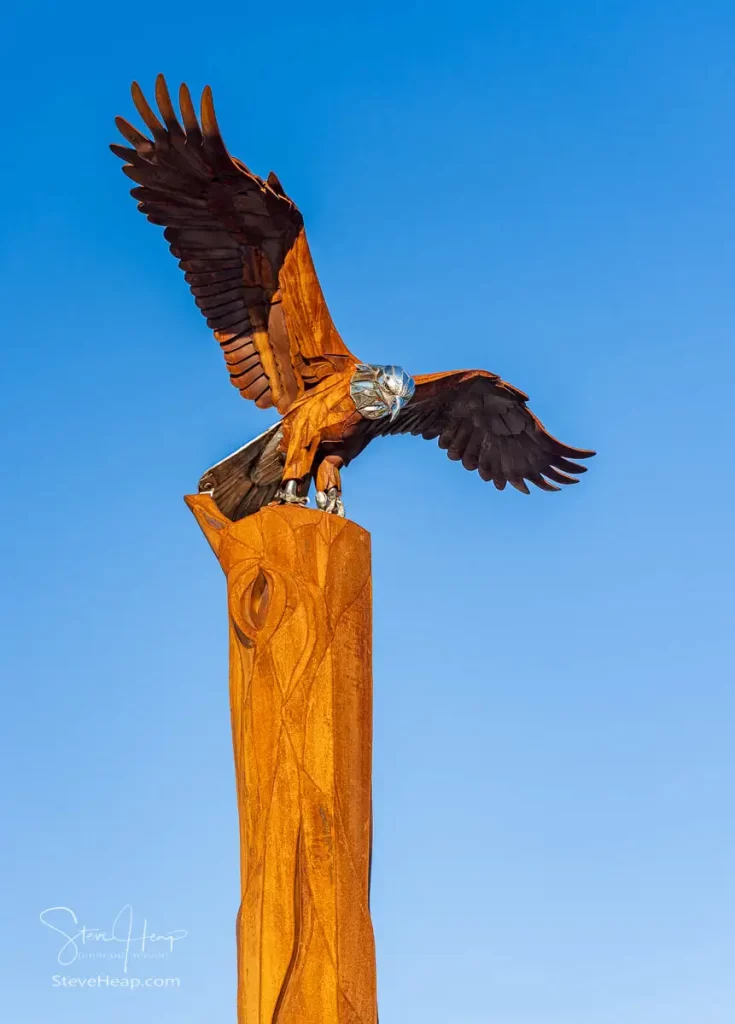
(299, 601)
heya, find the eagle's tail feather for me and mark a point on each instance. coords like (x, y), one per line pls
(249, 478)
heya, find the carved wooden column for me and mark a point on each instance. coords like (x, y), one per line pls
(299, 599)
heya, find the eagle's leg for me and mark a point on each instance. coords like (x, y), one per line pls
(329, 485)
(300, 451)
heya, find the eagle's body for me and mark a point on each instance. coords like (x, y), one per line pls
(241, 243)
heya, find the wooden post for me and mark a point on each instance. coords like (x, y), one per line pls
(300, 606)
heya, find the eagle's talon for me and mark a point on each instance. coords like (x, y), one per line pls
(330, 501)
(286, 495)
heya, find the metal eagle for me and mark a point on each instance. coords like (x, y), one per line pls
(240, 241)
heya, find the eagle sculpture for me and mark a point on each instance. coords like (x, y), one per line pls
(240, 241)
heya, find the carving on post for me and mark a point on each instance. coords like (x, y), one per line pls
(299, 601)
(240, 241)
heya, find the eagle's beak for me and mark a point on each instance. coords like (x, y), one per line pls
(398, 404)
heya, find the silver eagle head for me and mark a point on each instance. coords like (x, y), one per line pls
(379, 391)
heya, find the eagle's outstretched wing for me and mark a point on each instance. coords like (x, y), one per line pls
(240, 241)
(484, 423)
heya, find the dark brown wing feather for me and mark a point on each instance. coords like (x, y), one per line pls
(235, 236)
(484, 423)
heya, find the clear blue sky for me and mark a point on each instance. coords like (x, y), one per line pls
(542, 189)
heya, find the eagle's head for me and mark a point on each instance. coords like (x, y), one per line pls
(379, 391)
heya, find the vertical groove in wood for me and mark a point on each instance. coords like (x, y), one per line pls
(300, 607)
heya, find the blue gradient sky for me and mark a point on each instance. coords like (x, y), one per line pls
(543, 189)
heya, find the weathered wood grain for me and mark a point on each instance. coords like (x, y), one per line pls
(299, 600)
